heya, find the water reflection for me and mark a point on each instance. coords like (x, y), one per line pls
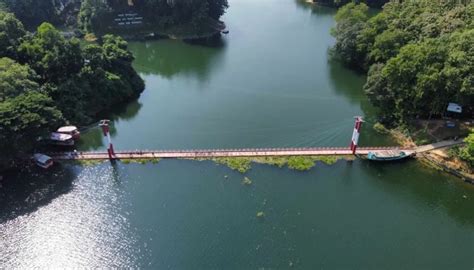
(171, 57)
(437, 190)
(93, 138)
(349, 84)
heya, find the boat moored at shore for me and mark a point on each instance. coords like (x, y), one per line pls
(389, 155)
(43, 161)
(60, 139)
(70, 130)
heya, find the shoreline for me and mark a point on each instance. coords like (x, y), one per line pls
(432, 159)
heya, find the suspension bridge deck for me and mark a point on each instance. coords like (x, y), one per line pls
(245, 152)
(212, 153)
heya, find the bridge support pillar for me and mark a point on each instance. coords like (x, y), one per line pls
(356, 133)
(104, 124)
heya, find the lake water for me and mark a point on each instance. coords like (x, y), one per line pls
(269, 83)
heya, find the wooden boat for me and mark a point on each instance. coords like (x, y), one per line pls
(70, 130)
(43, 161)
(389, 155)
(60, 139)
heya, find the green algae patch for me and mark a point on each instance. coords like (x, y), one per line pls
(240, 164)
(329, 160)
(299, 163)
(87, 162)
(140, 160)
(280, 162)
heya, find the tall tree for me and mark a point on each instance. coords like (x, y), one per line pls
(23, 119)
(51, 55)
(11, 34)
(15, 79)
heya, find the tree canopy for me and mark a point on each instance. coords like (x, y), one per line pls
(98, 15)
(47, 80)
(466, 153)
(15, 79)
(339, 3)
(418, 55)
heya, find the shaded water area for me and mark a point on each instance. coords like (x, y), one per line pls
(269, 83)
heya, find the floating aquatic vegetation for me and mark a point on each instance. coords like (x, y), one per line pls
(240, 164)
(246, 181)
(140, 161)
(301, 163)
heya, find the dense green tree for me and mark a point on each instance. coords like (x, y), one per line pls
(98, 16)
(350, 19)
(23, 119)
(90, 14)
(50, 54)
(11, 33)
(15, 79)
(33, 12)
(467, 152)
(339, 3)
(52, 79)
(418, 55)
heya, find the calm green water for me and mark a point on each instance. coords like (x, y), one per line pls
(269, 83)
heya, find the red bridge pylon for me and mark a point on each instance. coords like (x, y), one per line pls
(104, 124)
(356, 133)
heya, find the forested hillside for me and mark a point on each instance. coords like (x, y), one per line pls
(418, 55)
(47, 80)
(100, 15)
(339, 3)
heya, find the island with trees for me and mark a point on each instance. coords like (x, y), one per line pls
(418, 56)
(48, 80)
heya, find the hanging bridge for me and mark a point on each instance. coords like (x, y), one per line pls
(214, 153)
(243, 152)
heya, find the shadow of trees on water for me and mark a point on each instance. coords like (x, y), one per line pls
(172, 57)
(428, 187)
(23, 192)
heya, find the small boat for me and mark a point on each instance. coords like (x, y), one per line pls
(60, 139)
(70, 130)
(43, 161)
(389, 155)
(225, 32)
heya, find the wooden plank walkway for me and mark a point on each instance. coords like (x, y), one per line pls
(212, 153)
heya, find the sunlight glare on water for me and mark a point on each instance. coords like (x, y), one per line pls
(81, 228)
